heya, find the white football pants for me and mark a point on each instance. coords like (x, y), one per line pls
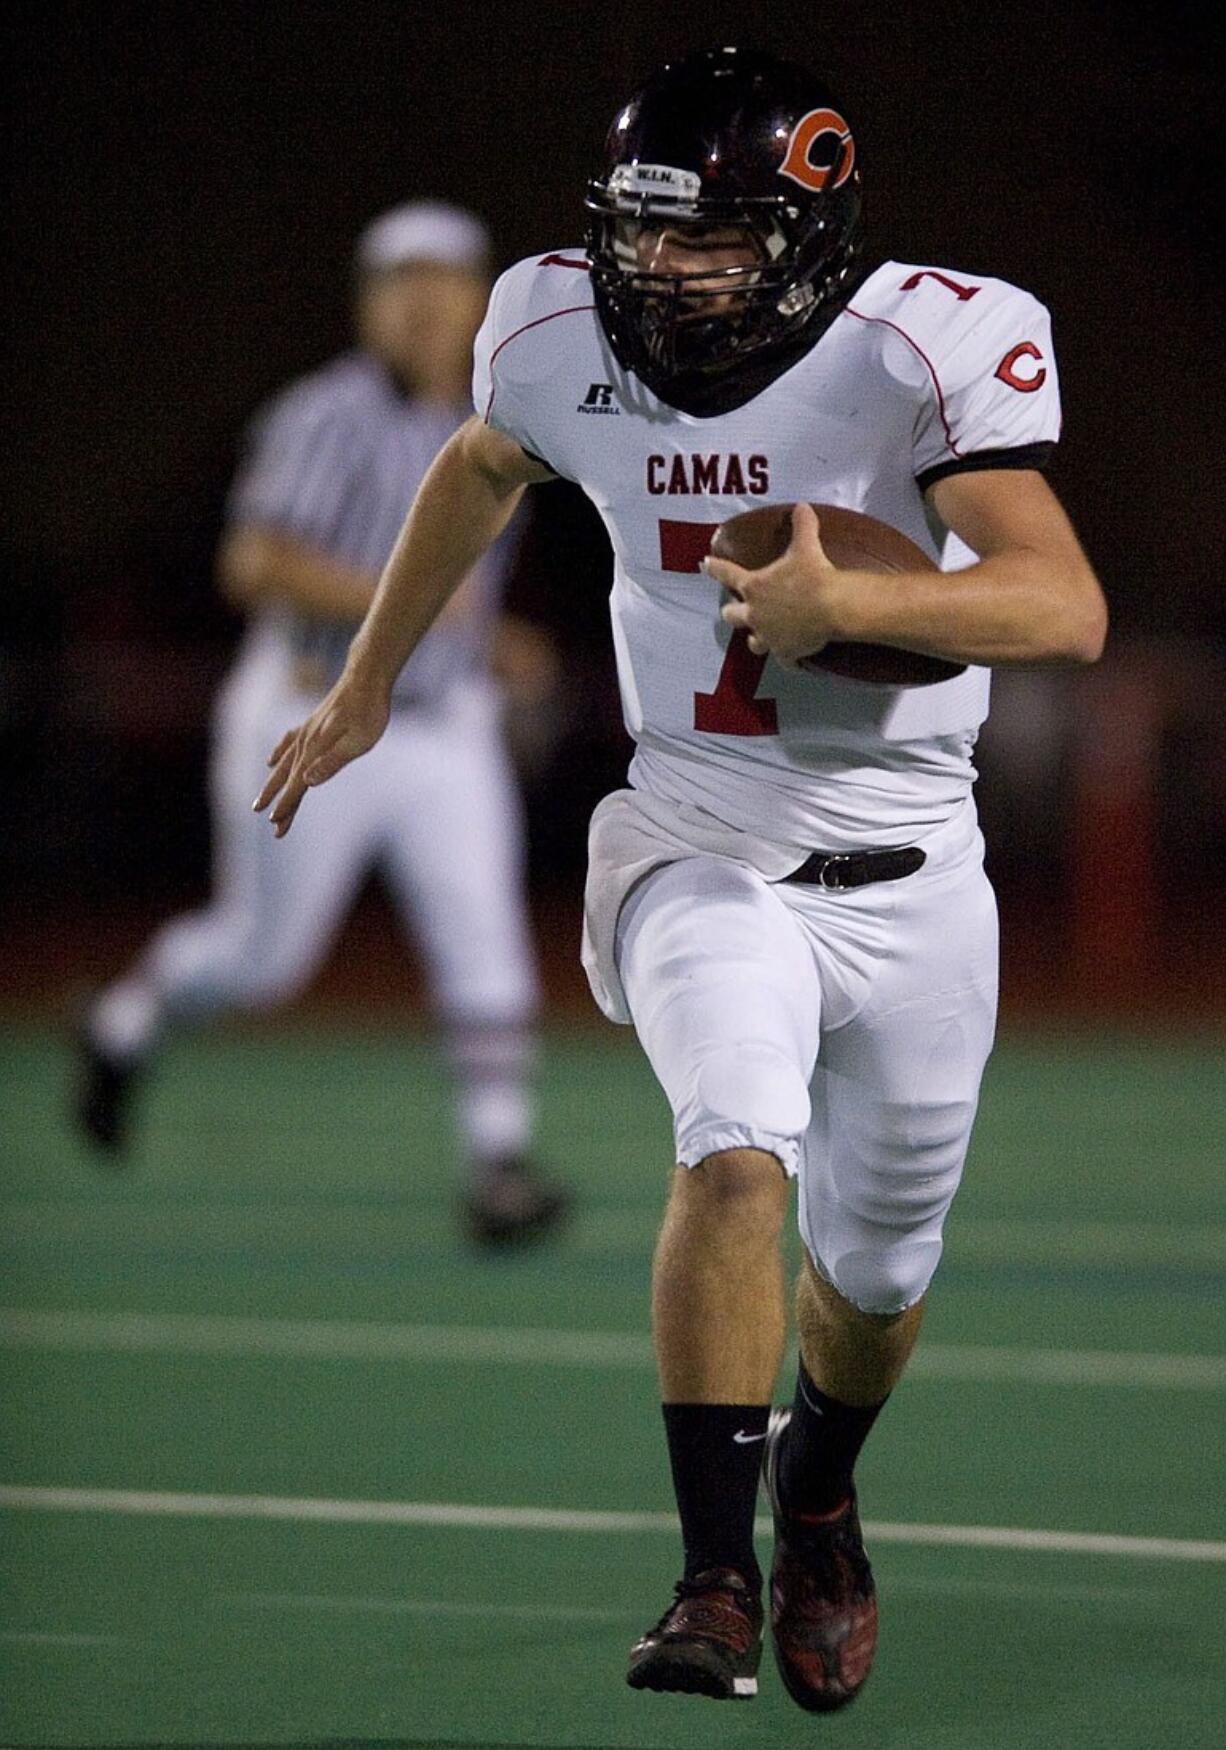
(433, 806)
(843, 1032)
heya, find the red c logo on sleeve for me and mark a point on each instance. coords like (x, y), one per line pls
(796, 162)
(1007, 374)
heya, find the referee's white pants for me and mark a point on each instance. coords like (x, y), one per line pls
(844, 1032)
(434, 806)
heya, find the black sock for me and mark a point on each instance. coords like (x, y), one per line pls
(716, 1454)
(823, 1442)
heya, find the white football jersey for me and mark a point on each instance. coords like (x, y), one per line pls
(924, 369)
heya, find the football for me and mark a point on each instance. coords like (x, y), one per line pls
(852, 541)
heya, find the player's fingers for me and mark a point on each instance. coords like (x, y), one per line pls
(275, 779)
(282, 816)
(285, 743)
(806, 533)
(757, 646)
(735, 613)
(331, 732)
(731, 576)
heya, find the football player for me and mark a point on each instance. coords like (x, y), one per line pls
(788, 901)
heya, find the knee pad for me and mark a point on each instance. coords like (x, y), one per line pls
(880, 1232)
(886, 1279)
(743, 1096)
(754, 1085)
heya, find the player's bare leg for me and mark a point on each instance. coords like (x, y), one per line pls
(823, 1603)
(856, 1357)
(717, 1282)
(719, 1323)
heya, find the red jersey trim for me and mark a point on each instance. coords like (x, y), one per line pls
(562, 261)
(572, 310)
(936, 381)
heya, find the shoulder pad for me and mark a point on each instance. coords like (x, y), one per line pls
(541, 285)
(953, 320)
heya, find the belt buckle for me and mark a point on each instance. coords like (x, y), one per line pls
(835, 861)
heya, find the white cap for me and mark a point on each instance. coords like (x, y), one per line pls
(424, 231)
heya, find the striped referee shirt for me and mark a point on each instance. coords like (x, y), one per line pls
(334, 460)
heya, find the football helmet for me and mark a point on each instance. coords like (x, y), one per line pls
(729, 144)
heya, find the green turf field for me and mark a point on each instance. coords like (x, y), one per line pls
(284, 1465)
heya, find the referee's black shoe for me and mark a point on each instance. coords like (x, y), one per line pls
(102, 1096)
(708, 1642)
(509, 1203)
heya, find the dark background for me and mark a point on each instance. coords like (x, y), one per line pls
(185, 185)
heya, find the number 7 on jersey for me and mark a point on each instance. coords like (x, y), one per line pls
(734, 707)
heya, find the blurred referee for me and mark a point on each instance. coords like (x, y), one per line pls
(332, 465)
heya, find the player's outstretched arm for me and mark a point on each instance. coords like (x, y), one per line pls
(462, 505)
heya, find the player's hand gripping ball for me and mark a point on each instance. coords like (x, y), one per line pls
(853, 542)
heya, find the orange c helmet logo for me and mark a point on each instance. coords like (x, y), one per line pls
(796, 162)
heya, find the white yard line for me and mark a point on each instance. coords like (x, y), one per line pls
(319, 1339)
(471, 1518)
(389, 1227)
(332, 1339)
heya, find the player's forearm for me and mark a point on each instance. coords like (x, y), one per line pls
(257, 565)
(460, 509)
(1010, 609)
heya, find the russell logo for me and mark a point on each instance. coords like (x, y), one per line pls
(599, 399)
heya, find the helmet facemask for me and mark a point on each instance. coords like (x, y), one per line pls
(692, 336)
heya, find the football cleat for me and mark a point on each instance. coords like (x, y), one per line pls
(708, 1642)
(823, 1603)
(509, 1202)
(103, 1096)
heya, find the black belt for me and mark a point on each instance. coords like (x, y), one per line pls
(857, 868)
